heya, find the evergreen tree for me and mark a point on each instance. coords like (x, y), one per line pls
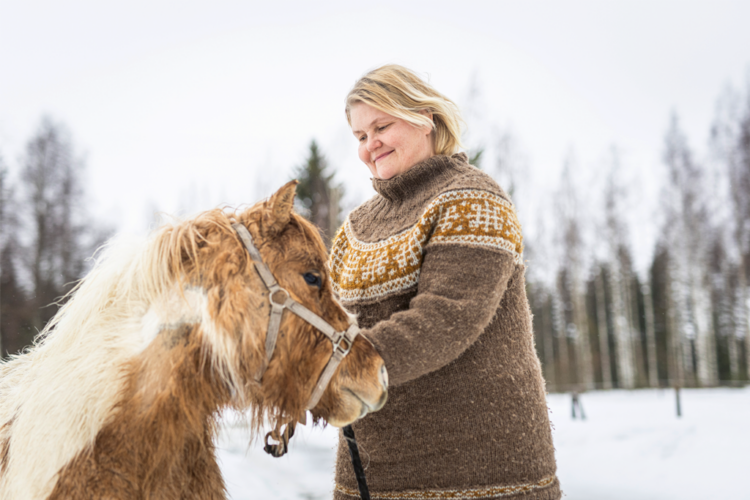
(318, 195)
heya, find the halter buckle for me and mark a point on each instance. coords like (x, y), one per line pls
(272, 294)
(343, 350)
(347, 344)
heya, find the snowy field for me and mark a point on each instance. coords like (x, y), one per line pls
(631, 446)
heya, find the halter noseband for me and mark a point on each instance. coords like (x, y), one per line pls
(280, 299)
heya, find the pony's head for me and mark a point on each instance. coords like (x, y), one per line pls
(206, 256)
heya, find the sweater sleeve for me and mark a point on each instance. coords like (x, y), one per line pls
(460, 289)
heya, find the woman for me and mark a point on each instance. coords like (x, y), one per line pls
(432, 265)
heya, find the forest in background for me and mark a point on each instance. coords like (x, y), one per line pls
(46, 234)
(683, 321)
(600, 321)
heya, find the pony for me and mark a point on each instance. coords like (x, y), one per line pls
(119, 397)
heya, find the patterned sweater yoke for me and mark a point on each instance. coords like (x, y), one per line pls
(433, 267)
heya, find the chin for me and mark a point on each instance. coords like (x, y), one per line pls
(386, 173)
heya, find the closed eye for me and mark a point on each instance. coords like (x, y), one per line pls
(313, 279)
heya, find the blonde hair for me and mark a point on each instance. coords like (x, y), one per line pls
(399, 92)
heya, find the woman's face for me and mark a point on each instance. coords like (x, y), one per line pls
(388, 145)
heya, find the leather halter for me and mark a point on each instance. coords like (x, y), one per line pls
(280, 299)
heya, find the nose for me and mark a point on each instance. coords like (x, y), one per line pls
(373, 144)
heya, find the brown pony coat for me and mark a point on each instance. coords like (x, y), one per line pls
(159, 445)
(158, 439)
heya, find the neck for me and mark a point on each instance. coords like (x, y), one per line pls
(165, 425)
(419, 178)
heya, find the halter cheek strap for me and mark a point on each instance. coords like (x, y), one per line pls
(280, 300)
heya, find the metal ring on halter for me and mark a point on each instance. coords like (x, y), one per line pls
(272, 294)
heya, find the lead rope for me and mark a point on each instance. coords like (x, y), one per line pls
(359, 471)
(281, 448)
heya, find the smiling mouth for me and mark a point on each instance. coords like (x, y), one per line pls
(383, 156)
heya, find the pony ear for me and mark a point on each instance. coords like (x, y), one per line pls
(279, 209)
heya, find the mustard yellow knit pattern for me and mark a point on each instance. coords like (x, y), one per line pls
(363, 271)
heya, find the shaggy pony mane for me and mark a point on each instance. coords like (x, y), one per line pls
(74, 373)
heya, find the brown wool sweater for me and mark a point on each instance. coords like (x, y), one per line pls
(432, 265)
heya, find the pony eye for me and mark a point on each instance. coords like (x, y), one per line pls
(313, 279)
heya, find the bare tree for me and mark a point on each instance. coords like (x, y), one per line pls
(571, 278)
(618, 268)
(726, 147)
(738, 165)
(511, 163)
(603, 330)
(61, 236)
(15, 312)
(540, 266)
(648, 311)
(686, 225)
(474, 112)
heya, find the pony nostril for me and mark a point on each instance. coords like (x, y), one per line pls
(384, 376)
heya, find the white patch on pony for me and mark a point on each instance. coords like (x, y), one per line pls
(173, 309)
(223, 349)
(191, 307)
(151, 327)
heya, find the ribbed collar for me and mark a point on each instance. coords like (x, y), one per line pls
(419, 178)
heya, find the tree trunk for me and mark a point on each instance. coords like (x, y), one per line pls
(704, 335)
(583, 346)
(675, 358)
(736, 330)
(549, 340)
(563, 362)
(744, 325)
(624, 347)
(601, 318)
(630, 295)
(648, 307)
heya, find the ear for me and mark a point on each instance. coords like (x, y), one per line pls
(278, 209)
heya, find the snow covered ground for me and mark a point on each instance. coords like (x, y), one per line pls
(631, 446)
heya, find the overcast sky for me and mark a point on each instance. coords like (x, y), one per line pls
(185, 105)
